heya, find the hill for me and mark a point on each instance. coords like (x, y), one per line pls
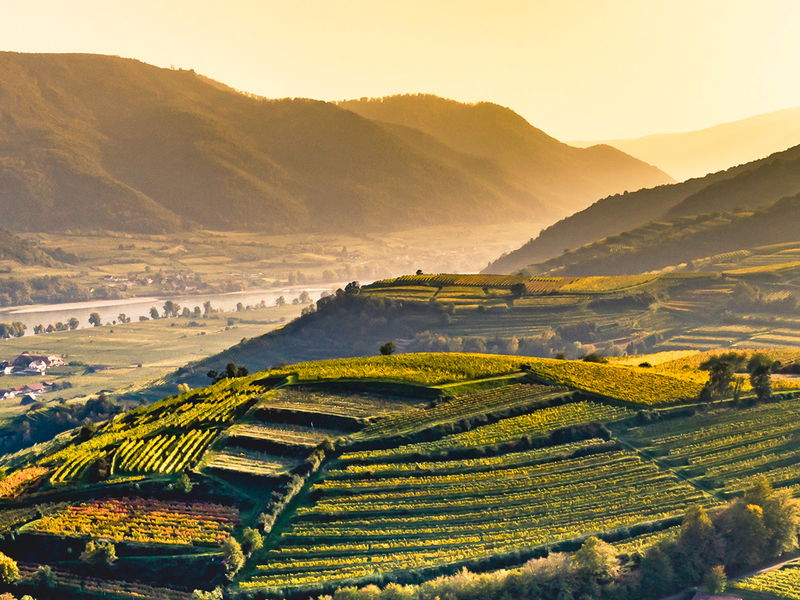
(690, 239)
(749, 186)
(697, 153)
(101, 142)
(384, 470)
(531, 159)
(748, 304)
(24, 252)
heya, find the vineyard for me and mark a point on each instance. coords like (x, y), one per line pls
(365, 527)
(142, 521)
(729, 449)
(483, 462)
(780, 584)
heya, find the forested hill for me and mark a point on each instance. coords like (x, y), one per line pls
(752, 185)
(527, 156)
(684, 240)
(90, 141)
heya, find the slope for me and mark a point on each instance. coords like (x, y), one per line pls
(528, 156)
(747, 186)
(681, 240)
(696, 153)
(89, 141)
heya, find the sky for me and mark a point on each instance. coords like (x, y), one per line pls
(579, 69)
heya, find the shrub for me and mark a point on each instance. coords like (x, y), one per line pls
(9, 572)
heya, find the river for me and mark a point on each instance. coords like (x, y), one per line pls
(34, 314)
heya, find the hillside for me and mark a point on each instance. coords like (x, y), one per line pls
(24, 252)
(101, 142)
(548, 168)
(384, 469)
(682, 240)
(749, 186)
(749, 303)
(697, 153)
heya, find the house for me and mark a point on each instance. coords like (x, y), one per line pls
(24, 360)
(7, 394)
(35, 367)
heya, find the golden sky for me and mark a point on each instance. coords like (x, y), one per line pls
(579, 69)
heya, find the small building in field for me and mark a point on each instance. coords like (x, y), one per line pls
(24, 360)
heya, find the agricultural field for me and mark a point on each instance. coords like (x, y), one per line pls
(727, 450)
(402, 467)
(777, 584)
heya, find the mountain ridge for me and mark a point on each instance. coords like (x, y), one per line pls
(92, 141)
(698, 152)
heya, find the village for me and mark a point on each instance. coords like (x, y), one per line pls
(28, 365)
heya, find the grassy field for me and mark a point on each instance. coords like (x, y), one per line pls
(132, 355)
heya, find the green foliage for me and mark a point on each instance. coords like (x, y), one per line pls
(715, 580)
(597, 559)
(387, 348)
(9, 572)
(232, 557)
(252, 541)
(99, 553)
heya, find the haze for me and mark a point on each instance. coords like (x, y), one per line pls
(580, 70)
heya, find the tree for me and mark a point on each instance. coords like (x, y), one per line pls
(100, 553)
(207, 308)
(9, 572)
(280, 301)
(154, 312)
(597, 559)
(743, 529)
(171, 309)
(657, 574)
(698, 545)
(715, 580)
(719, 381)
(252, 541)
(15, 329)
(73, 323)
(387, 348)
(518, 290)
(760, 368)
(232, 557)
(94, 320)
(239, 307)
(232, 371)
(352, 288)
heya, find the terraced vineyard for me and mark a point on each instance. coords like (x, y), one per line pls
(729, 449)
(363, 527)
(448, 461)
(141, 520)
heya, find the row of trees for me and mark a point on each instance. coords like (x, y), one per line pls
(759, 527)
(722, 379)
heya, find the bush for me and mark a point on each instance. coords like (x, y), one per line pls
(99, 553)
(252, 541)
(9, 572)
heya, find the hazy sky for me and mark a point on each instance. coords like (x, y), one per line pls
(579, 69)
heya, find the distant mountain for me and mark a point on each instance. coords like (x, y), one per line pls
(552, 170)
(89, 141)
(749, 186)
(696, 153)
